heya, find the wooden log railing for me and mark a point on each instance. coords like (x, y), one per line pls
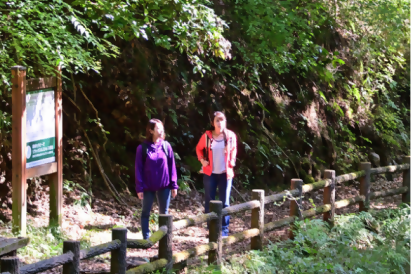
(194, 221)
(166, 259)
(8, 247)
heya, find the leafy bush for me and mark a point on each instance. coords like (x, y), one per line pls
(369, 242)
(45, 242)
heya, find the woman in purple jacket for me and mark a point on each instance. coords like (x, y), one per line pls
(155, 173)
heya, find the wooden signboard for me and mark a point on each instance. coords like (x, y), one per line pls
(37, 141)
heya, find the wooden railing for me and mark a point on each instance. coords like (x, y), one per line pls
(70, 260)
(8, 246)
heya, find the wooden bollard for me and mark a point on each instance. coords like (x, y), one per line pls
(406, 181)
(165, 244)
(365, 186)
(329, 196)
(294, 206)
(118, 256)
(215, 233)
(257, 219)
(10, 264)
(74, 266)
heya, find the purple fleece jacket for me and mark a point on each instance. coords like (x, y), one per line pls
(154, 175)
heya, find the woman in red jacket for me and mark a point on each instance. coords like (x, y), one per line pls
(216, 151)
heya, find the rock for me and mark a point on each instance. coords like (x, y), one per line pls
(375, 159)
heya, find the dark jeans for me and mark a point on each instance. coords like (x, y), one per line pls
(211, 183)
(163, 197)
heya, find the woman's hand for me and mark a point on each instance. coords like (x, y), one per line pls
(140, 195)
(204, 162)
(174, 192)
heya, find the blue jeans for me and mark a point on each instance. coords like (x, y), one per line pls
(163, 197)
(210, 186)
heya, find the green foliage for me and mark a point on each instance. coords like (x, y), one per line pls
(45, 242)
(374, 242)
(43, 34)
(84, 199)
(281, 34)
(348, 60)
(381, 29)
(154, 221)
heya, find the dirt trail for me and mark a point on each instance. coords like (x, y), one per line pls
(97, 224)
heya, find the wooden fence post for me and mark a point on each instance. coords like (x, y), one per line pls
(74, 266)
(165, 244)
(406, 181)
(118, 256)
(365, 186)
(295, 208)
(329, 196)
(10, 264)
(215, 232)
(56, 179)
(19, 149)
(257, 219)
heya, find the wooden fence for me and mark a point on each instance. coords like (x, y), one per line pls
(70, 260)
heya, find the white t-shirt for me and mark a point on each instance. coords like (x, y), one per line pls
(219, 164)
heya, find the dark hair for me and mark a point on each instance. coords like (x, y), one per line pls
(212, 124)
(151, 126)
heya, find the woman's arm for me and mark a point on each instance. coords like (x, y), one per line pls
(171, 161)
(200, 146)
(233, 150)
(138, 167)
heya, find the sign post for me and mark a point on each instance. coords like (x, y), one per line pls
(37, 141)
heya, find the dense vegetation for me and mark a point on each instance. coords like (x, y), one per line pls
(307, 85)
(374, 242)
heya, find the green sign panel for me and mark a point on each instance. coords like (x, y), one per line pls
(40, 127)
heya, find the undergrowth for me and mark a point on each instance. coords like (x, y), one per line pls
(368, 242)
(44, 242)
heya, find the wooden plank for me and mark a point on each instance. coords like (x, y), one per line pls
(19, 149)
(240, 207)
(241, 236)
(44, 169)
(390, 192)
(41, 83)
(119, 255)
(215, 233)
(56, 179)
(329, 196)
(10, 265)
(193, 221)
(47, 264)
(365, 186)
(296, 205)
(72, 267)
(149, 267)
(165, 244)
(9, 245)
(145, 244)
(350, 176)
(193, 252)
(257, 219)
(389, 169)
(100, 249)
(406, 181)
